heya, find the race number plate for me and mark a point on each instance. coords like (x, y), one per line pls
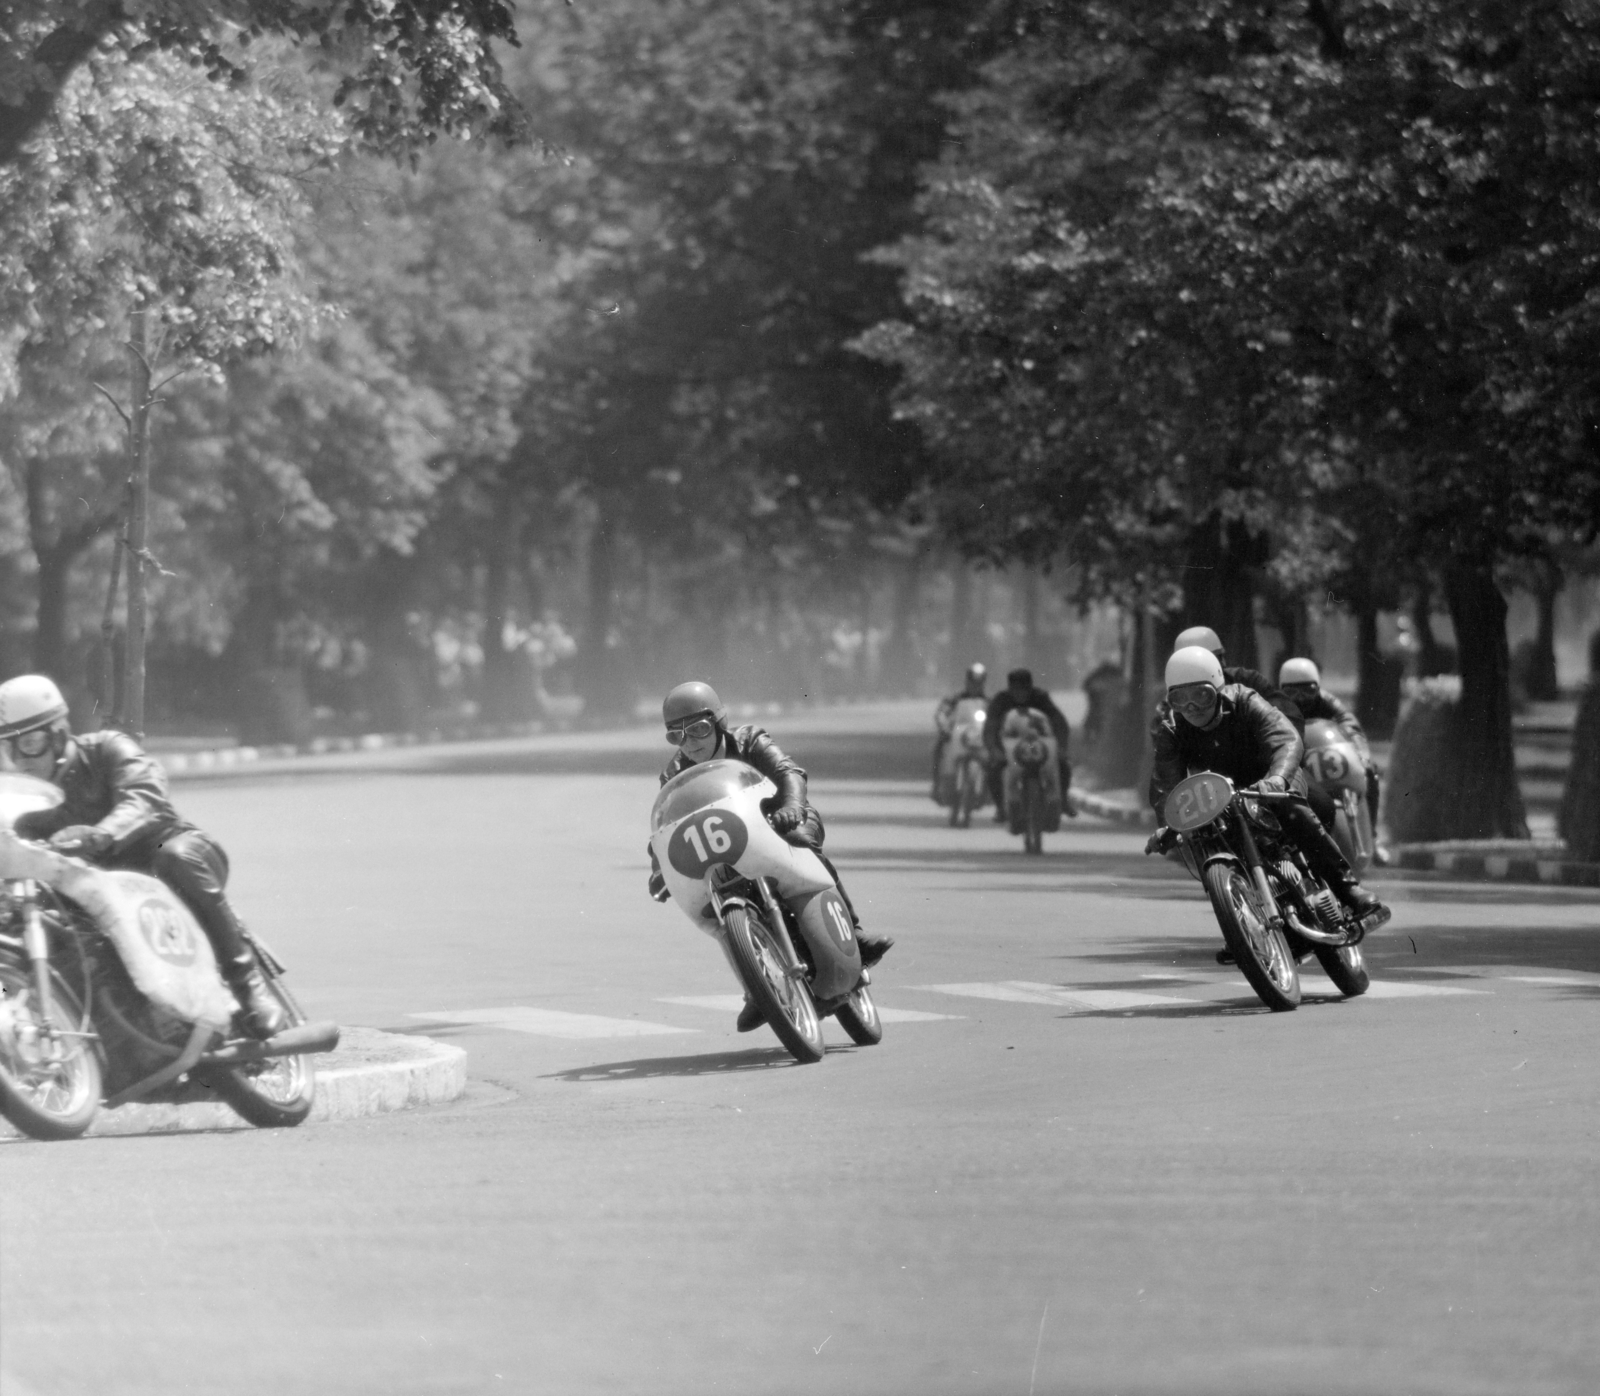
(1198, 800)
(711, 836)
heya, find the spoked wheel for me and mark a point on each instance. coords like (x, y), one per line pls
(1346, 967)
(273, 1094)
(858, 1014)
(50, 1077)
(1258, 948)
(969, 792)
(786, 1001)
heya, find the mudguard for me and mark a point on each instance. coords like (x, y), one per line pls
(162, 946)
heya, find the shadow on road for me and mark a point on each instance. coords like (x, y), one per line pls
(707, 1064)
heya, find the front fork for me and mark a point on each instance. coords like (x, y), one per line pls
(1258, 871)
(36, 946)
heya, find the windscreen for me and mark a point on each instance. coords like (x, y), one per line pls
(700, 786)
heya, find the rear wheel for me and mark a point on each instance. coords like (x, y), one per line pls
(858, 1014)
(1033, 804)
(1259, 949)
(50, 1079)
(784, 1000)
(1346, 967)
(273, 1094)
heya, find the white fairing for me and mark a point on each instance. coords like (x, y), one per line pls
(1334, 763)
(162, 946)
(1030, 728)
(966, 731)
(711, 814)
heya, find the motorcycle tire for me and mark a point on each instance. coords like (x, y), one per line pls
(1033, 803)
(47, 1099)
(1259, 949)
(858, 1015)
(785, 1001)
(958, 803)
(1346, 967)
(970, 793)
(277, 1093)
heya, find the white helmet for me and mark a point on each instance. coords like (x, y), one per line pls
(1202, 635)
(1193, 664)
(1298, 671)
(27, 702)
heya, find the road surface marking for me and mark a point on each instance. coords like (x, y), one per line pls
(732, 1003)
(551, 1022)
(1552, 979)
(1057, 995)
(1391, 989)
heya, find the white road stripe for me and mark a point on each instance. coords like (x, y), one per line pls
(551, 1022)
(1057, 995)
(731, 1003)
(1552, 979)
(1395, 989)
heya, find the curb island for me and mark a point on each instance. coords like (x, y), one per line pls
(369, 1073)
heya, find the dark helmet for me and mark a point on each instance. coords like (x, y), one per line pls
(1020, 678)
(693, 699)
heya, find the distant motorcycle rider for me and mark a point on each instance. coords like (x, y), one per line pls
(1302, 681)
(1212, 725)
(696, 720)
(1020, 692)
(977, 682)
(116, 812)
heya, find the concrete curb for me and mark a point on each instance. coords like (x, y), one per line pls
(1485, 866)
(371, 1073)
(1087, 802)
(227, 758)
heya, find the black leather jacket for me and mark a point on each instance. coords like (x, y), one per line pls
(1003, 702)
(1330, 709)
(109, 781)
(1251, 741)
(754, 747)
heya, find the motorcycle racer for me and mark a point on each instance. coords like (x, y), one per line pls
(696, 722)
(1208, 639)
(1212, 725)
(1302, 681)
(116, 812)
(1020, 692)
(976, 684)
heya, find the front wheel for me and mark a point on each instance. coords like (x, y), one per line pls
(1033, 832)
(276, 1093)
(1346, 967)
(50, 1078)
(1259, 948)
(858, 1015)
(784, 1000)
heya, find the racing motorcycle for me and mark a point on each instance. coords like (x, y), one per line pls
(110, 993)
(963, 766)
(1273, 910)
(772, 907)
(1334, 763)
(1032, 777)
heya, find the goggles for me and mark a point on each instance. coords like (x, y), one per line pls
(31, 744)
(1302, 690)
(698, 729)
(1192, 697)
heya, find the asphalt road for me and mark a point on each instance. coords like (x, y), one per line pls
(1083, 1159)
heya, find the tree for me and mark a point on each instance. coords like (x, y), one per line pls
(410, 70)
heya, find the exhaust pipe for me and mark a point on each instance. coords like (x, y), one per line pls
(291, 1042)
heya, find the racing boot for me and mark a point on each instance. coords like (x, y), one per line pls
(750, 1017)
(260, 1012)
(1355, 896)
(873, 947)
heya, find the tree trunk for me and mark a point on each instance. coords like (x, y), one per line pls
(1541, 676)
(501, 699)
(50, 625)
(1377, 674)
(601, 696)
(1490, 800)
(138, 514)
(1431, 658)
(1219, 585)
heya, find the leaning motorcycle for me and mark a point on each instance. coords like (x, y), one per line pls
(963, 782)
(110, 993)
(1334, 763)
(1032, 779)
(772, 907)
(1273, 910)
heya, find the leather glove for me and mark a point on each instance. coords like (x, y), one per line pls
(658, 887)
(1160, 842)
(81, 840)
(1272, 785)
(786, 818)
